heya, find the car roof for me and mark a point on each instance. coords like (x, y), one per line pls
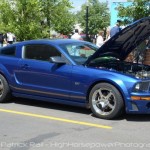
(51, 41)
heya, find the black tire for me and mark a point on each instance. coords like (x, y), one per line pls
(106, 101)
(4, 90)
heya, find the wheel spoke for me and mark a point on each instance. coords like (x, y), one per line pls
(111, 106)
(109, 95)
(100, 93)
(94, 102)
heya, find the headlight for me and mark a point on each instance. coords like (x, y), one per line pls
(137, 86)
(142, 87)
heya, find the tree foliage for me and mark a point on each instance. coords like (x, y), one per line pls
(138, 9)
(58, 15)
(32, 19)
(21, 17)
(98, 16)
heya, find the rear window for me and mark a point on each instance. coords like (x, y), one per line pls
(9, 51)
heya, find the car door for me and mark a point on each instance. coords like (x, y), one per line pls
(42, 78)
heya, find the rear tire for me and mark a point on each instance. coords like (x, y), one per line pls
(4, 90)
(106, 101)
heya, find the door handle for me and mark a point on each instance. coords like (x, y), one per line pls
(25, 66)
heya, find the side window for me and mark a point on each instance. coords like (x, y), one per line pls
(40, 52)
(9, 51)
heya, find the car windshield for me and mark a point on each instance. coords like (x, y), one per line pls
(79, 52)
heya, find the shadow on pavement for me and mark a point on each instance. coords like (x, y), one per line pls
(82, 110)
(50, 105)
(138, 117)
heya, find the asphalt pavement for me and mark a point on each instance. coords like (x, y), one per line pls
(30, 125)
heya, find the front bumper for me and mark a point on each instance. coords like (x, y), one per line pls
(139, 104)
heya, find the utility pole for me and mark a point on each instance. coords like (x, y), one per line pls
(87, 18)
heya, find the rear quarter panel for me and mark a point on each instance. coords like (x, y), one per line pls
(9, 66)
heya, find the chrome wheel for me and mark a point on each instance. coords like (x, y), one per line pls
(106, 101)
(103, 101)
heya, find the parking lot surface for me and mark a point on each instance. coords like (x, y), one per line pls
(28, 125)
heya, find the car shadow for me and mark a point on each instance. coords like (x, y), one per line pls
(138, 117)
(50, 105)
(75, 109)
(131, 117)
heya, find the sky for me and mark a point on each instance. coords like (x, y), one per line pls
(77, 3)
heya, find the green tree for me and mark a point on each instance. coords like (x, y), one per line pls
(21, 17)
(138, 9)
(31, 19)
(58, 16)
(99, 17)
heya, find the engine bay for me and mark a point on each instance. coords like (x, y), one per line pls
(111, 63)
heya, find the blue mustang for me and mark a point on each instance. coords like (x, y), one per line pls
(79, 73)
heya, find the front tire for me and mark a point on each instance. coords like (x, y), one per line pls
(106, 101)
(4, 90)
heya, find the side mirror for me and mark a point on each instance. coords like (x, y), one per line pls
(57, 60)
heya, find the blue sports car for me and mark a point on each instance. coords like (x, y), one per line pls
(79, 73)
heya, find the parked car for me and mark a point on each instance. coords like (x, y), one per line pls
(79, 73)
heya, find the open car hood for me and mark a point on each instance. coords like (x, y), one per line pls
(121, 44)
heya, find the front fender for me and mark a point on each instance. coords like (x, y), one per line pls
(123, 83)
